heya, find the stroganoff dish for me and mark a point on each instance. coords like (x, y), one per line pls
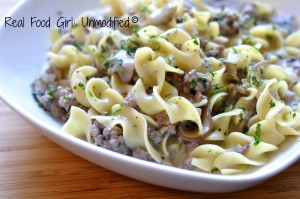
(208, 86)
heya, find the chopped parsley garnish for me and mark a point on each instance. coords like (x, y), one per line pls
(224, 105)
(193, 84)
(67, 97)
(294, 115)
(112, 61)
(249, 24)
(255, 82)
(168, 95)
(153, 36)
(242, 114)
(130, 46)
(257, 137)
(81, 85)
(122, 71)
(51, 92)
(195, 41)
(135, 31)
(77, 45)
(119, 110)
(272, 104)
(249, 39)
(269, 36)
(245, 71)
(91, 94)
(143, 8)
(143, 81)
(107, 64)
(217, 89)
(100, 56)
(104, 49)
(214, 170)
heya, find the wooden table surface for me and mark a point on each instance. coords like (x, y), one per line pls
(31, 166)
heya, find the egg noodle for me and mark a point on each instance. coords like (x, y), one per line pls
(206, 86)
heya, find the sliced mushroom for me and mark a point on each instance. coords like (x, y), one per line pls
(123, 64)
(189, 130)
(163, 15)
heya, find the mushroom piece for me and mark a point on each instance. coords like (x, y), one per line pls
(163, 15)
(122, 64)
(189, 130)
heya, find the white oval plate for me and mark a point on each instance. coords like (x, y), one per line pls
(22, 56)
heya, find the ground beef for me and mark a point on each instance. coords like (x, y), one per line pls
(180, 156)
(228, 22)
(164, 124)
(109, 138)
(195, 87)
(130, 100)
(53, 97)
(292, 63)
(154, 136)
(142, 154)
(217, 52)
(186, 160)
(176, 80)
(165, 127)
(291, 99)
(66, 98)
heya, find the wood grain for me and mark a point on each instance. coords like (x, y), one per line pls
(31, 166)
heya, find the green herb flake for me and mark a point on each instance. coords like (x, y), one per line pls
(242, 114)
(152, 36)
(143, 8)
(51, 92)
(217, 89)
(196, 42)
(91, 94)
(67, 97)
(130, 46)
(81, 85)
(143, 81)
(104, 49)
(77, 45)
(271, 104)
(255, 82)
(294, 115)
(135, 31)
(257, 135)
(214, 170)
(119, 110)
(269, 36)
(213, 74)
(168, 95)
(193, 84)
